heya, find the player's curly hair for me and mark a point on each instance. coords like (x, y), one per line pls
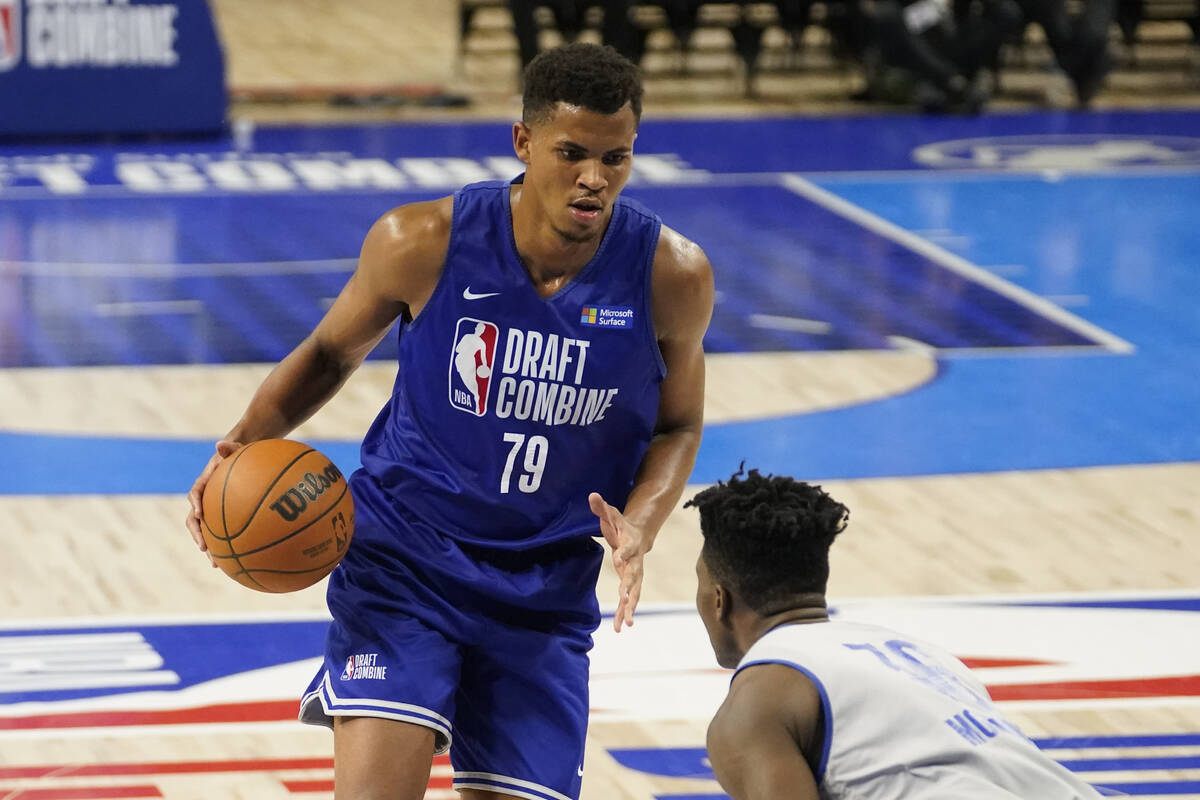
(768, 537)
(591, 76)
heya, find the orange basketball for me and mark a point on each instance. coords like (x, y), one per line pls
(278, 515)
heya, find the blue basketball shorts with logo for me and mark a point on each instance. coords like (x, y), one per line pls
(487, 648)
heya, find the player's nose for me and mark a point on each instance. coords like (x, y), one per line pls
(591, 176)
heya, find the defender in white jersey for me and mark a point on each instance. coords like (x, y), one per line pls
(828, 709)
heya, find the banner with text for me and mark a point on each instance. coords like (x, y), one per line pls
(109, 66)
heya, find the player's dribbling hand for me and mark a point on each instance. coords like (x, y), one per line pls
(628, 545)
(225, 448)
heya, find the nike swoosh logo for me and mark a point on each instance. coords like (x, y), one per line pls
(469, 295)
(580, 771)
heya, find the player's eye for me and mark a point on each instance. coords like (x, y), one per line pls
(615, 159)
(570, 155)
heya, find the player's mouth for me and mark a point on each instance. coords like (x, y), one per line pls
(586, 210)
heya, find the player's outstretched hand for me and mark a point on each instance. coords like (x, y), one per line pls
(628, 545)
(225, 448)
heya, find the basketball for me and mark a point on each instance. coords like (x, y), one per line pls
(278, 515)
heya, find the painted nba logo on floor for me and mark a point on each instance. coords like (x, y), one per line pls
(471, 361)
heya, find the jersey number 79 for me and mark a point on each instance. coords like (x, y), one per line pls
(536, 448)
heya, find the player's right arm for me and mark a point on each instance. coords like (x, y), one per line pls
(398, 268)
(758, 739)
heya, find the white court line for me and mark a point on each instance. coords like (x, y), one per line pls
(695, 178)
(913, 345)
(139, 308)
(160, 731)
(797, 324)
(1007, 269)
(116, 191)
(952, 262)
(81, 269)
(50, 624)
(1069, 299)
(25, 681)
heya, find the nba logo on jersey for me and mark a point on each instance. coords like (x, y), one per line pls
(10, 34)
(471, 361)
(348, 672)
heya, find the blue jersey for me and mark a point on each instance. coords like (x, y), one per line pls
(509, 408)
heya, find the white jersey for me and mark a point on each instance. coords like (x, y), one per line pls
(904, 719)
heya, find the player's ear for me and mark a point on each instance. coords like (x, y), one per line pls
(724, 603)
(521, 140)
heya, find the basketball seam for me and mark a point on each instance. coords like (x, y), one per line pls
(225, 488)
(298, 530)
(231, 536)
(247, 572)
(225, 525)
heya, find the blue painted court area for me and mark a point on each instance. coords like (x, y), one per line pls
(1046, 262)
(248, 297)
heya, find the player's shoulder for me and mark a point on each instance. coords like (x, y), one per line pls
(413, 233)
(768, 695)
(403, 252)
(680, 256)
(682, 285)
(432, 220)
(415, 221)
(752, 703)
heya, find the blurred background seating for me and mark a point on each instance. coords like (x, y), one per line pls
(950, 55)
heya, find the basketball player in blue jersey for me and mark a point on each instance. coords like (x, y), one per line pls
(550, 392)
(829, 709)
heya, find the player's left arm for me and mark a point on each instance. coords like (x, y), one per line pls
(758, 739)
(682, 303)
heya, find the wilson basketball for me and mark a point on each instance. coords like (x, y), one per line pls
(278, 515)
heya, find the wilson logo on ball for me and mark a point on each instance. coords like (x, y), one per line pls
(277, 515)
(291, 504)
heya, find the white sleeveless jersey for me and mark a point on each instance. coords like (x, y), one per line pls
(904, 719)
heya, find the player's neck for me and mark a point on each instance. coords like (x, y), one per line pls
(750, 626)
(551, 259)
(804, 609)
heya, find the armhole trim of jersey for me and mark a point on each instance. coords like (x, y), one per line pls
(648, 299)
(826, 710)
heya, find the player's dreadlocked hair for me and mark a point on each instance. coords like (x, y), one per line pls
(768, 537)
(591, 76)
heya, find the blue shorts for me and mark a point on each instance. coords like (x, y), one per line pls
(487, 648)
